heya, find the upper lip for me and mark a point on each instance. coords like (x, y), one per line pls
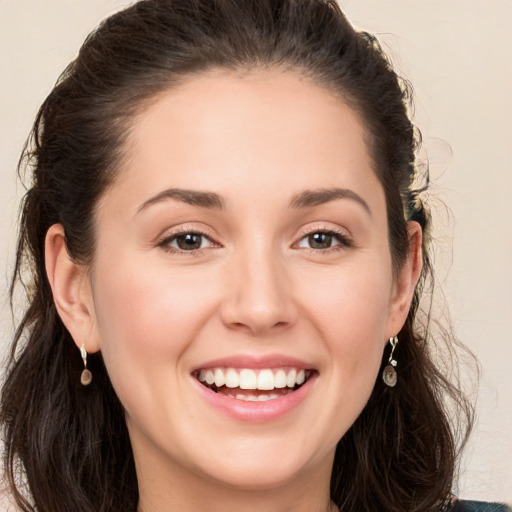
(255, 362)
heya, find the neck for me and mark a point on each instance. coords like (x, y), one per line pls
(331, 507)
(169, 484)
(248, 501)
(309, 492)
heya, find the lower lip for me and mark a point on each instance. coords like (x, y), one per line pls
(256, 412)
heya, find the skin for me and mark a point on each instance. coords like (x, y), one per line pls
(255, 287)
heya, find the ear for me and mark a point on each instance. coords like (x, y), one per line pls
(406, 280)
(71, 290)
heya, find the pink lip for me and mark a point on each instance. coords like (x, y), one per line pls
(255, 362)
(256, 412)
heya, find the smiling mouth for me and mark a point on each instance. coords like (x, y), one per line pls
(253, 385)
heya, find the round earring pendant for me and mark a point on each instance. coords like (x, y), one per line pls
(86, 377)
(389, 376)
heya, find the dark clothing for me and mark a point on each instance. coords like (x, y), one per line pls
(479, 506)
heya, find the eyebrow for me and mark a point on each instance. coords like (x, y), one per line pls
(211, 200)
(193, 197)
(310, 198)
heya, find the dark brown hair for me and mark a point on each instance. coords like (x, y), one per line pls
(70, 444)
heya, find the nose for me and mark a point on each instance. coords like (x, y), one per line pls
(259, 297)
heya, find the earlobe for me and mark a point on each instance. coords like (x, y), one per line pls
(406, 280)
(71, 290)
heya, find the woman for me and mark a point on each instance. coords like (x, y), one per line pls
(227, 256)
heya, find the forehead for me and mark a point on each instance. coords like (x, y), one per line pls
(261, 130)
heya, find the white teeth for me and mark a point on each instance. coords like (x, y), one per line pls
(271, 396)
(280, 379)
(220, 378)
(253, 397)
(248, 379)
(210, 378)
(290, 379)
(245, 378)
(232, 380)
(265, 380)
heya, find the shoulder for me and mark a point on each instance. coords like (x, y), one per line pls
(479, 506)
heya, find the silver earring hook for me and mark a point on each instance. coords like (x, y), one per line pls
(393, 342)
(389, 375)
(86, 376)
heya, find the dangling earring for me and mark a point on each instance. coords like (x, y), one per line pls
(389, 374)
(86, 377)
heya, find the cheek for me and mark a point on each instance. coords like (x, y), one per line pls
(351, 311)
(147, 314)
(353, 301)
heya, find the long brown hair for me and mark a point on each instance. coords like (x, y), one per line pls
(70, 444)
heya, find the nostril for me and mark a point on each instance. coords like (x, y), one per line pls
(255, 327)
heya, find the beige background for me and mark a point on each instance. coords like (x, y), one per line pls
(458, 55)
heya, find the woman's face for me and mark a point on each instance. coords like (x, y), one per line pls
(243, 244)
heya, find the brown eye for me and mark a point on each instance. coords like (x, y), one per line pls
(187, 242)
(321, 240)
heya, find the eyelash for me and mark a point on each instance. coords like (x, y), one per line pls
(165, 242)
(344, 241)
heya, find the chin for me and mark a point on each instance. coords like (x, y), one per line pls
(255, 477)
(255, 466)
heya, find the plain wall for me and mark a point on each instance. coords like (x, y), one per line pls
(458, 55)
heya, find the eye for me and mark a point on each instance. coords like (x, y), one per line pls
(189, 241)
(322, 240)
